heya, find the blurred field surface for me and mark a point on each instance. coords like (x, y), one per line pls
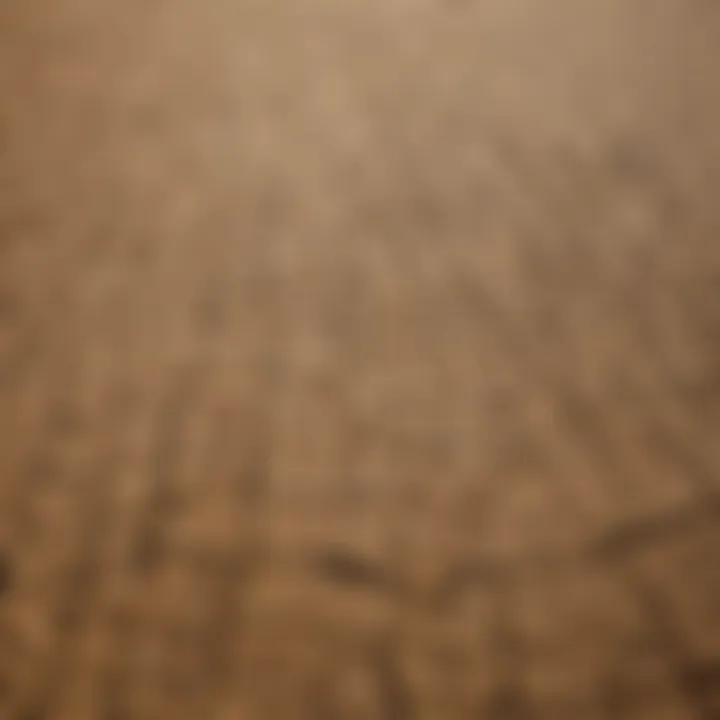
(359, 359)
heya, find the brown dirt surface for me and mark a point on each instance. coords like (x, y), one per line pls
(359, 359)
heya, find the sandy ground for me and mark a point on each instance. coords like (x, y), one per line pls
(359, 359)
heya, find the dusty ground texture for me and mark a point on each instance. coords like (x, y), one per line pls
(359, 359)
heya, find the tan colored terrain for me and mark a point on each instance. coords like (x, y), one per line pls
(359, 359)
